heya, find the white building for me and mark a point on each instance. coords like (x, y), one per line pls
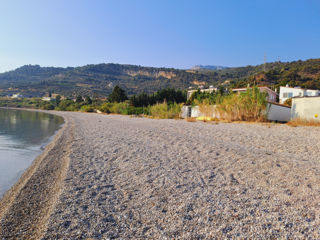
(290, 92)
(271, 97)
(210, 90)
(18, 95)
(48, 99)
(307, 108)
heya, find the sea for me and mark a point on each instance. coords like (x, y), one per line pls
(23, 136)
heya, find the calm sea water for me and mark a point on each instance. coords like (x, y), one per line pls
(23, 135)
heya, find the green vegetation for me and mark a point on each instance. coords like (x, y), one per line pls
(168, 95)
(305, 74)
(163, 110)
(117, 103)
(117, 95)
(246, 106)
(212, 98)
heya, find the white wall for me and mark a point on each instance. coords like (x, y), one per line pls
(306, 108)
(195, 112)
(278, 113)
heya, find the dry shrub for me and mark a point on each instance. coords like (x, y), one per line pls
(304, 122)
(207, 110)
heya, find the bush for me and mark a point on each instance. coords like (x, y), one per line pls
(87, 108)
(48, 106)
(72, 108)
(119, 108)
(174, 110)
(63, 105)
(105, 107)
(163, 110)
(137, 110)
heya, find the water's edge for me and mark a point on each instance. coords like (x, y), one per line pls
(40, 149)
(38, 188)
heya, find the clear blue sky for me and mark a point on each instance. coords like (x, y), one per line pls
(169, 33)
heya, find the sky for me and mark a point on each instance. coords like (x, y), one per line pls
(159, 33)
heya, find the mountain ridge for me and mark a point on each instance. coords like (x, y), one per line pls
(208, 67)
(99, 79)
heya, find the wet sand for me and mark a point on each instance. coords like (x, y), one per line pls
(108, 176)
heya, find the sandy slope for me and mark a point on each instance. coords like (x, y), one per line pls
(134, 178)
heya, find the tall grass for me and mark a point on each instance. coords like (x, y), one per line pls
(123, 108)
(163, 110)
(247, 106)
(206, 108)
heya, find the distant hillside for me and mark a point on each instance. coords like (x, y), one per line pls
(305, 74)
(99, 79)
(207, 67)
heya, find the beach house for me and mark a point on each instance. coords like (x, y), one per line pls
(17, 95)
(210, 90)
(272, 95)
(290, 92)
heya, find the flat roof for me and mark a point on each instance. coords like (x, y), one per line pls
(279, 104)
(306, 97)
(299, 88)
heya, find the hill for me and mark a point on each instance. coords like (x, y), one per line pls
(99, 79)
(305, 74)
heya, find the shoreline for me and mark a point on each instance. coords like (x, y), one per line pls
(10, 203)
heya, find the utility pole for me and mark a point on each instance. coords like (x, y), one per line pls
(265, 62)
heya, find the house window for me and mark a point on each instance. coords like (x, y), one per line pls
(290, 95)
(285, 95)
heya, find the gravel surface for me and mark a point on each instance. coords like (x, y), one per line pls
(137, 178)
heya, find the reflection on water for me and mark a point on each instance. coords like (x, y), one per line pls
(22, 135)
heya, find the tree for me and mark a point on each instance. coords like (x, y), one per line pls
(117, 95)
(58, 99)
(88, 100)
(79, 99)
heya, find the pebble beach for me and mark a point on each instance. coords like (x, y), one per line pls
(120, 177)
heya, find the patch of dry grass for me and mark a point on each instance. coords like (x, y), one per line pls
(191, 119)
(304, 122)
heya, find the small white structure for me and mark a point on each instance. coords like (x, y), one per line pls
(18, 95)
(307, 108)
(272, 95)
(278, 112)
(49, 99)
(290, 92)
(210, 90)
